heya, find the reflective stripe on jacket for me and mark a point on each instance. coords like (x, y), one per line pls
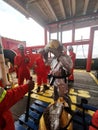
(2, 93)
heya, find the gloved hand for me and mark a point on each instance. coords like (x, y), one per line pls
(30, 84)
(26, 60)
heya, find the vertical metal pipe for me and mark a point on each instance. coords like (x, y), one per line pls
(73, 33)
(3, 73)
(45, 36)
(49, 33)
(57, 31)
(61, 33)
(88, 65)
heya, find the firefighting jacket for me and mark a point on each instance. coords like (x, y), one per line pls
(7, 100)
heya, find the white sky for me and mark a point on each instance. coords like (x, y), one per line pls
(14, 25)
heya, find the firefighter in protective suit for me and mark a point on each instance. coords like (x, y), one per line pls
(21, 64)
(61, 66)
(55, 117)
(7, 100)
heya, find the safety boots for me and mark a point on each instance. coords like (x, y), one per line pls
(38, 89)
(45, 87)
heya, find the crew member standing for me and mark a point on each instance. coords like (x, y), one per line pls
(73, 57)
(21, 64)
(41, 69)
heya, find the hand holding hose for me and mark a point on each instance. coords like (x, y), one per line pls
(30, 84)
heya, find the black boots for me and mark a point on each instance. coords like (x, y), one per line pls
(38, 89)
(46, 87)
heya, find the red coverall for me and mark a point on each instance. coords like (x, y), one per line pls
(22, 69)
(12, 96)
(73, 57)
(94, 121)
(41, 70)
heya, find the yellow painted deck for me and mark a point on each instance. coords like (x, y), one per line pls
(85, 86)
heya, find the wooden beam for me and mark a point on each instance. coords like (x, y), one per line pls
(96, 7)
(70, 11)
(85, 6)
(62, 8)
(42, 11)
(73, 4)
(51, 9)
(31, 1)
(18, 7)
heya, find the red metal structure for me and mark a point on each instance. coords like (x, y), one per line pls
(10, 49)
(88, 42)
(11, 44)
(56, 16)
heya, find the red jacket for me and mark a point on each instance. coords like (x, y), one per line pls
(41, 70)
(21, 63)
(12, 96)
(40, 67)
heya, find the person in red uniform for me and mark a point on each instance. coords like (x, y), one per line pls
(21, 64)
(7, 100)
(73, 57)
(41, 69)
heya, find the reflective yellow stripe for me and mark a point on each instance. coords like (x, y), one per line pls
(3, 95)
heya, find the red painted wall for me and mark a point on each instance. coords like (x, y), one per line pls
(11, 44)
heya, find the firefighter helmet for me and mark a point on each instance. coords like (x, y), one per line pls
(54, 44)
(70, 48)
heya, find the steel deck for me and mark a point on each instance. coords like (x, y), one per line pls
(85, 86)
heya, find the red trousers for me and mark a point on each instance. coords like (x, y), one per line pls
(23, 73)
(71, 76)
(41, 79)
(41, 70)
